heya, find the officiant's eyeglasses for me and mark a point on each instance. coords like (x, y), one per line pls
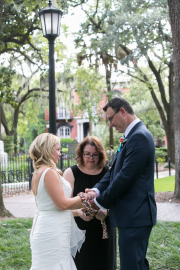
(111, 118)
(94, 156)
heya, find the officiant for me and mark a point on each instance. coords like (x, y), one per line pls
(96, 253)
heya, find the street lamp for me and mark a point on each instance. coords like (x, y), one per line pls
(50, 22)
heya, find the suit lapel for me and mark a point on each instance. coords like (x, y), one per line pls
(128, 136)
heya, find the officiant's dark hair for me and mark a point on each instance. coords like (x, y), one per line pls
(117, 103)
(93, 141)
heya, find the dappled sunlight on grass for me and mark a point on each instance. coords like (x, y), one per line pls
(165, 184)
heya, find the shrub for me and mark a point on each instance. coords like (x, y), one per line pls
(161, 153)
(9, 144)
(65, 142)
(161, 160)
(65, 150)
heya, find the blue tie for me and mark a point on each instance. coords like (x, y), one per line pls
(119, 149)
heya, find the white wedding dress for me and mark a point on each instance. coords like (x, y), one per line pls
(55, 237)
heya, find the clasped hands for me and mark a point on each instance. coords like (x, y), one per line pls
(90, 195)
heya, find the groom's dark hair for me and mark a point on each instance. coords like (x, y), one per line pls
(117, 103)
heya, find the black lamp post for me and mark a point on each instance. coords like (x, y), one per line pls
(50, 22)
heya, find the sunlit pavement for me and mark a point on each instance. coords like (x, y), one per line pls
(24, 205)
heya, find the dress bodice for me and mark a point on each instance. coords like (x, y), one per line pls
(43, 200)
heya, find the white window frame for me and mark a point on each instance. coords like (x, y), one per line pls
(64, 132)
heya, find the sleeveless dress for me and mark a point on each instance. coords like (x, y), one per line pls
(96, 253)
(54, 236)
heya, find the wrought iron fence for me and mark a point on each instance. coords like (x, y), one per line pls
(66, 161)
(16, 173)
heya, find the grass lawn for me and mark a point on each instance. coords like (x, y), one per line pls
(165, 184)
(163, 251)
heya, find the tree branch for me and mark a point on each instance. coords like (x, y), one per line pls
(160, 84)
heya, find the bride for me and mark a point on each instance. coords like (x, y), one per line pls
(54, 235)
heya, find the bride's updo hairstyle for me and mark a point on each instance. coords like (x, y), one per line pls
(41, 151)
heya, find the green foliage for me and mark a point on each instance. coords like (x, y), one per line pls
(65, 150)
(133, 35)
(144, 107)
(65, 142)
(164, 184)
(161, 154)
(19, 20)
(100, 131)
(6, 92)
(34, 128)
(9, 144)
(161, 160)
(90, 91)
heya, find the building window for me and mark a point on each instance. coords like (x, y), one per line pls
(64, 132)
(61, 133)
(62, 111)
(67, 132)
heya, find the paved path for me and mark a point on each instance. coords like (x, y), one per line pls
(21, 205)
(24, 205)
(164, 174)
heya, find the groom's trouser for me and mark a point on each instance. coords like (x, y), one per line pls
(133, 243)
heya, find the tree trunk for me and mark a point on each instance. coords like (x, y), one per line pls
(1, 9)
(108, 85)
(0, 124)
(3, 211)
(174, 11)
(169, 130)
(90, 128)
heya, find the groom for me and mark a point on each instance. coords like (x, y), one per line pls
(127, 189)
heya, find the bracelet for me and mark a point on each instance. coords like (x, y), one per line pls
(92, 212)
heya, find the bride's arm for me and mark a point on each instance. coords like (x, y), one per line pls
(68, 175)
(55, 190)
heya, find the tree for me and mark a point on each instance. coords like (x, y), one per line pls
(145, 109)
(3, 211)
(138, 30)
(89, 85)
(35, 128)
(90, 41)
(174, 11)
(19, 20)
(1, 9)
(144, 34)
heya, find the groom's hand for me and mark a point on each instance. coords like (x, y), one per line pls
(94, 206)
(90, 194)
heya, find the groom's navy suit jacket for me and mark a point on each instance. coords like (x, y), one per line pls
(127, 189)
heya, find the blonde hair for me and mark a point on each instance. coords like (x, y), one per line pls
(41, 151)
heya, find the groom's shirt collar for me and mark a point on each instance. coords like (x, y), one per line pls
(128, 129)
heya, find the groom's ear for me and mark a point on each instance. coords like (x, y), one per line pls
(123, 111)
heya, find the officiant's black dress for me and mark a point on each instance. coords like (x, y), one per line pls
(96, 253)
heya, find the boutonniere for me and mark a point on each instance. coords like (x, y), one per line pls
(122, 141)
